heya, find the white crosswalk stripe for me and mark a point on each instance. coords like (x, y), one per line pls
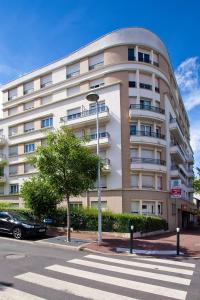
(143, 275)
(8, 293)
(71, 288)
(142, 265)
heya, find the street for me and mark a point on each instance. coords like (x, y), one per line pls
(35, 272)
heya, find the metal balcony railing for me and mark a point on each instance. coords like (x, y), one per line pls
(148, 134)
(85, 113)
(148, 107)
(148, 161)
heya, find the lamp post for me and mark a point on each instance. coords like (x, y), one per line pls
(92, 97)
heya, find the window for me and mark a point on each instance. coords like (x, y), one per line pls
(96, 83)
(75, 205)
(12, 94)
(135, 207)
(28, 127)
(132, 84)
(73, 70)
(147, 153)
(146, 129)
(145, 104)
(145, 86)
(103, 204)
(13, 170)
(102, 183)
(160, 208)
(1, 190)
(13, 150)
(131, 54)
(28, 87)
(46, 80)
(28, 168)
(101, 106)
(13, 131)
(48, 122)
(159, 182)
(74, 113)
(135, 180)
(14, 188)
(44, 142)
(144, 57)
(29, 148)
(133, 129)
(73, 91)
(134, 152)
(147, 181)
(46, 99)
(12, 111)
(1, 172)
(29, 105)
(96, 61)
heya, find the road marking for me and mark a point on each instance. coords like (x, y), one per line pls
(156, 276)
(130, 284)
(8, 293)
(71, 288)
(139, 264)
(167, 261)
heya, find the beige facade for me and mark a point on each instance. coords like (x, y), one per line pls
(144, 128)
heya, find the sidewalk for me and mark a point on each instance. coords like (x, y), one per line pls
(189, 241)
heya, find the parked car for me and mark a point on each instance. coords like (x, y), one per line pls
(20, 225)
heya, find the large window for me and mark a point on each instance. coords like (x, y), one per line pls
(13, 170)
(12, 111)
(103, 204)
(144, 57)
(29, 127)
(14, 188)
(28, 105)
(96, 61)
(96, 83)
(46, 80)
(12, 94)
(73, 70)
(13, 150)
(28, 168)
(131, 54)
(133, 129)
(73, 91)
(13, 131)
(29, 148)
(148, 181)
(48, 122)
(28, 87)
(135, 180)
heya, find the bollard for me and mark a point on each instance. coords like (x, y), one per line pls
(131, 238)
(177, 241)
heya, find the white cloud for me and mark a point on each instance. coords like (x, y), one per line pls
(188, 78)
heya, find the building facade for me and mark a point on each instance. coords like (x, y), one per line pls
(144, 128)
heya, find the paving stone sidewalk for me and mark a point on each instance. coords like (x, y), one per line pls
(190, 242)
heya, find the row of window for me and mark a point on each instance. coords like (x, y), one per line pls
(147, 181)
(71, 71)
(30, 126)
(132, 84)
(14, 170)
(142, 57)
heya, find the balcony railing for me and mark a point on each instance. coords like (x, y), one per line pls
(95, 66)
(73, 74)
(174, 120)
(102, 135)
(148, 107)
(148, 134)
(144, 160)
(85, 113)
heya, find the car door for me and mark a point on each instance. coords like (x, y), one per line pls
(5, 224)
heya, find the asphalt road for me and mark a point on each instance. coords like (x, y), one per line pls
(36, 272)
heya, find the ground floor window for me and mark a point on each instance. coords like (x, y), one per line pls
(75, 205)
(103, 204)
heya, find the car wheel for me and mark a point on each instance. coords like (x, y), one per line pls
(17, 233)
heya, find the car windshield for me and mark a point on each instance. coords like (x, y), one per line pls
(23, 218)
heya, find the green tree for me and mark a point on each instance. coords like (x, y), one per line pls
(196, 182)
(69, 165)
(40, 196)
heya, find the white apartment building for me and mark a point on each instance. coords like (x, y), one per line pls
(144, 127)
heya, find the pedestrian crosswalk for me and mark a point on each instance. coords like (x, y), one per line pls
(100, 277)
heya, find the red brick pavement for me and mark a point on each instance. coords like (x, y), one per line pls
(189, 241)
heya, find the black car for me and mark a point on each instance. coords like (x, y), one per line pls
(20, 225)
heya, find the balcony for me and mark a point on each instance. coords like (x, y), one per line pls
(145, 137)
(148, 164)
(177, 153)
(2, 140)
(106, 165)
(146, 111)
(86, 117)
(176, 130)
(104, 139)
(176, 171)
(2, 178)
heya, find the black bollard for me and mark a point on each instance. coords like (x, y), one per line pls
(177, 241)
(131, 238)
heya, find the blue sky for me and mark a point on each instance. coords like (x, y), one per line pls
(34, 33)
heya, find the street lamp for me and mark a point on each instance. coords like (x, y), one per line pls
(92, 97)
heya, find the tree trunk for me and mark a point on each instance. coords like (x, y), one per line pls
(68, 221)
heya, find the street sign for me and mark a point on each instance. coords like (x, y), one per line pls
(176, 188)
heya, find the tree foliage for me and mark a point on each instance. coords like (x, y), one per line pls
(68, 164)
(40, 196)
(196, 182)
